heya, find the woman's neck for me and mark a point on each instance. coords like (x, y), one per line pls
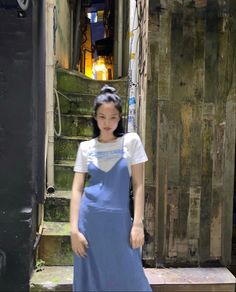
(106, 139)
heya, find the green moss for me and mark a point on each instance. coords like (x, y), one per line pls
(76, 82)
(40, 265)
(63, 177)
(56, 250)
(56, 209)
(76, 103)
(65, 149)
(69, 82)
(55, 280)
(75, 126)
(58, 229)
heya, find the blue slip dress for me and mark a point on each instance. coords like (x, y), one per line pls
(104, 219)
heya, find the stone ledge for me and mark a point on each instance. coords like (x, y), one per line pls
(161, 280)
(190, 276)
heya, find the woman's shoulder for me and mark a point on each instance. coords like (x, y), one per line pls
(131, 137)
(86, 145)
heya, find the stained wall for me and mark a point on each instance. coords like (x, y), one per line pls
(190, 132)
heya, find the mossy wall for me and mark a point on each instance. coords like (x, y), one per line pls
(190, 131)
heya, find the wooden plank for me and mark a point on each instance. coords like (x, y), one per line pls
(206, 197)
(151, 119)
(211, 52)
(193, 228)
(228, 177)
(172, 219)
(161, 205)
(149, 250)
(217, 184)
(199, 57)
(161, 161)
(193, 74)
(164, 67)
(148, 253)
(177, 68)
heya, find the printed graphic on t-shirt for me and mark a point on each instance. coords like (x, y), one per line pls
(105, 155)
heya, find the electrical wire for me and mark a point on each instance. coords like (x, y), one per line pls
(58, 134)
(66, 97)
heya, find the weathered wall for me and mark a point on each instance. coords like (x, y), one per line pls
(190, 130)
(126, 38)
(21, 138)
(143, 12)
(63, 33)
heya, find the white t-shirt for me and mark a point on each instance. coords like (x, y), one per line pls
(105, 155)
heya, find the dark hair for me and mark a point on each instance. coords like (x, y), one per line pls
(108, 94)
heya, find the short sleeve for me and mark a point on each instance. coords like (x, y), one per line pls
(81, 159)
(137, 152)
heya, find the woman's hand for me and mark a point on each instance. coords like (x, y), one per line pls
(79, 243)
(137, 236)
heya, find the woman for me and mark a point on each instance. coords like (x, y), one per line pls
(105, 241)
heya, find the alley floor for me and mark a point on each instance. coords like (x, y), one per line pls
(162, 280)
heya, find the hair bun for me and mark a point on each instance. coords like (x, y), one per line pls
(107, 89)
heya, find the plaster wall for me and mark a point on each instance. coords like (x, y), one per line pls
(63, 34)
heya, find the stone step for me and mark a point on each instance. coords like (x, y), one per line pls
(53, 278)
(161, 280)
(80, 103)
(77, 125)
(63, 174)
(74, 125)
(66, 147)
(76, 103)
(55, 248)
(74, 82)
(56, 207)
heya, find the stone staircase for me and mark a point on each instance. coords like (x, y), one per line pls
(76, 95)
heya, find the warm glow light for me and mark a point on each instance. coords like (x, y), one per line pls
(100, 67)
(100, 70)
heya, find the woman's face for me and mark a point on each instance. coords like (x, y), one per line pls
(107, 117)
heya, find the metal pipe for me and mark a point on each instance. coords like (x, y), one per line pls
(133, 65)
(120, 39)
(77, 37)
(50, 71)
(50, 189)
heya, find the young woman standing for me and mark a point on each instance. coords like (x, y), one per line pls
(105, 240)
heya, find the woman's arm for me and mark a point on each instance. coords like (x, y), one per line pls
(137, 232)
(78, 241)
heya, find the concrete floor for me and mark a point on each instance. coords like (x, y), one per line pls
(58, 278)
